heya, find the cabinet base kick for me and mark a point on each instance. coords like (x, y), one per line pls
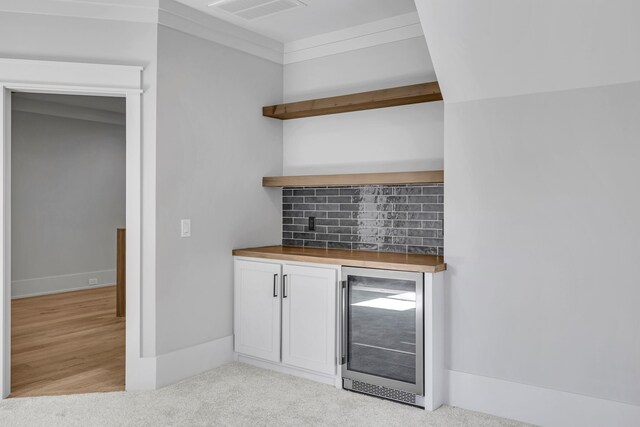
(289, 370)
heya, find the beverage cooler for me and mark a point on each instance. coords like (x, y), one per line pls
(382, 337)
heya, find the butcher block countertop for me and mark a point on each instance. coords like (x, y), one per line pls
(384, 260)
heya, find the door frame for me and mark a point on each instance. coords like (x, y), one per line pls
(79, 79)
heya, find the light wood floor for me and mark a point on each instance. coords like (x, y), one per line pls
(67, 343)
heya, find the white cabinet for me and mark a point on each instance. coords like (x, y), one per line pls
(308, 318)
(257, 309)
(286, 307)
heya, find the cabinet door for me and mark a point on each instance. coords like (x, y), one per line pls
(309, 318)
(257, 309)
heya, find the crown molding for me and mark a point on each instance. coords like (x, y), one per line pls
(188, 20)
(183, 18)
(397, 28)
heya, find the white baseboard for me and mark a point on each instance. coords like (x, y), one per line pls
(187, 362)
(58, 284)
(140, 373)
(536, 405)
(302, 373)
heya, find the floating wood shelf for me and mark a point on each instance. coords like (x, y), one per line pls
(388, 178)
(414, 94)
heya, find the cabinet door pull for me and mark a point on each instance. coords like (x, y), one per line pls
(284, 286)
(275, 286)
(343, 322)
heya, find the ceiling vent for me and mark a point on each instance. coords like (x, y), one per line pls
(252, 10)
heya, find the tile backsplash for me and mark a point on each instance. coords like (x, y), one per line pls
(385, 218)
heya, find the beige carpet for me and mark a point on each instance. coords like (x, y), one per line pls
(233, 395)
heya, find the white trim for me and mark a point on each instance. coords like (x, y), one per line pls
(187, 362)
(59, 284)
(537, 405)
(5, 242)
(148, 257)
(56, 109)
(140, 370)
(433, 340)
(298, 372)
(397, 28)
(82, 77)
(89, 79)
(63, 291)
(70, 90)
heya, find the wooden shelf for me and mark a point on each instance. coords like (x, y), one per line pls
(423, 92)
(388, 178)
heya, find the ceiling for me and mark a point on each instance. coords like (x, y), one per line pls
(318, 17)
(104, 103)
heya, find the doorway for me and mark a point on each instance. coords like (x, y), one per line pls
(68, 197)
(69, 78)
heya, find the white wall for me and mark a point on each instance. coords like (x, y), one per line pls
(542, 233)
(68, 197)
(391, 139)
(213, 149)
(543, 238)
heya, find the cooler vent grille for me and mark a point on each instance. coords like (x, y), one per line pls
(387, 393)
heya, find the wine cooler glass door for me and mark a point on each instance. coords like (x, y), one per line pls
(384, 333)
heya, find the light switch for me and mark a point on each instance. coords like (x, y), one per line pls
(185, 228)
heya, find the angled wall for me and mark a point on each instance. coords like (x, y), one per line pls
(496, 48)
(542, 238)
